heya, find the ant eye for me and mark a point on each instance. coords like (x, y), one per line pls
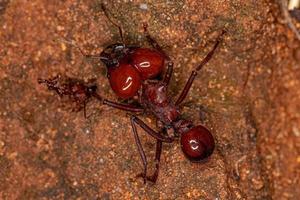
(92, 88)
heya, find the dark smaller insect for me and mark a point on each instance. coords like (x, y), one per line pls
(77, 90)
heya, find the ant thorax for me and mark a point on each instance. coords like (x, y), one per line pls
(156, 100)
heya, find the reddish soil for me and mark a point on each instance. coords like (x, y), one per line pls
(248, 96)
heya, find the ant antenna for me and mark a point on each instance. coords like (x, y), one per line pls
(111, 21)
(70, 42)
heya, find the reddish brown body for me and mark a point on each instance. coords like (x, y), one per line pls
(130, 70)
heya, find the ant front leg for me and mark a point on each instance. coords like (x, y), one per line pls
(168, 73)
(156, 46)
(192, 77)
(121, 106)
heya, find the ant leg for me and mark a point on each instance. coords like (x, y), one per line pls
(168, 74)
(158, 151)
(154, 177)
(120, 106)
(84, 109)
(150, 131)
(155, 45)
(140, 149)
(158, 136)
(192, 77)
(157, 160)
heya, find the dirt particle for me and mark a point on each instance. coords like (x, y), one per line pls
(12, 156)
(3, 5)
(63, 46)
(296, 131)
(297, 54)
(143, 6)
(257, 183)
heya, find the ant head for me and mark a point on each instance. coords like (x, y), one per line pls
(112, 54)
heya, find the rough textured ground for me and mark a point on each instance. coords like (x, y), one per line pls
(248, 95)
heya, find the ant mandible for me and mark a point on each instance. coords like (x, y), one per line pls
(133, 71)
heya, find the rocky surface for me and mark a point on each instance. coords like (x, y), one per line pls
(248, 95)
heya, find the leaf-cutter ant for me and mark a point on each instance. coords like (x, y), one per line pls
(133, 71)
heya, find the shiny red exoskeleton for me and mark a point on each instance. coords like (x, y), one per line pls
(134, 71)
(128, 67)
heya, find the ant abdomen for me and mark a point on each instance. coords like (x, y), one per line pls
(197, 143)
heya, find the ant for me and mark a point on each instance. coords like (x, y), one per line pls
(77, 90)
(133, 71)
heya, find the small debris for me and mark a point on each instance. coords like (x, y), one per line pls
(63, 46)
(293, 4)
(257, 183)
(296, 131)
(143, 6)
(288, 19)
(295, 14)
